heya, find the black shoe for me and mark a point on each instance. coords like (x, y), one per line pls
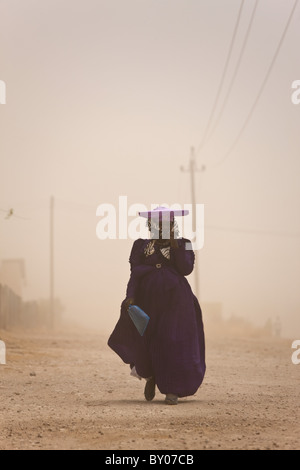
(149, 391)
(171, 399)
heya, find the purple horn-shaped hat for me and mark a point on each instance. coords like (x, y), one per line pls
(162, 212)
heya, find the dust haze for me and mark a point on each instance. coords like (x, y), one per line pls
(104, 99)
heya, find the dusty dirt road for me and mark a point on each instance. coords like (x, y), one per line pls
(68, 390)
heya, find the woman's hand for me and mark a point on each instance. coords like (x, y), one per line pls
(127, 302)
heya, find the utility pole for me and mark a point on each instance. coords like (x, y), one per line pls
(192, 169)
(51, 299)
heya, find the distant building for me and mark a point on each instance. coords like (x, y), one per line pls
(12, 274)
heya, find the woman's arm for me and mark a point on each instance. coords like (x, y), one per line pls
(183, 259)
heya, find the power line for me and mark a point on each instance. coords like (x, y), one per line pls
(235, 71)
(248, 118)
(11, 213)
(254, 231)
(222, 77)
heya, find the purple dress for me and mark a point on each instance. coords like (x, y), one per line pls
(173, 347)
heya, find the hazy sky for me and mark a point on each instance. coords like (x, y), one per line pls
(105, 98)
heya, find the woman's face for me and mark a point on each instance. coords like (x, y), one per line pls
(162, 230)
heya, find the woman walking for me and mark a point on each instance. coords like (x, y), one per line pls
(171, 353)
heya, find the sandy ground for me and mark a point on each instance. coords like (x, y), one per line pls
(68, 390)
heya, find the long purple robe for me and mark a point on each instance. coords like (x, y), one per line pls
(173, 346)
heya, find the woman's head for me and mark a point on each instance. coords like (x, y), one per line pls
(161, 222)
(163, 229)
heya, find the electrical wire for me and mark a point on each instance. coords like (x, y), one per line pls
(235, 72)
(253, 231)
(263, 85)
(222, 77)
(10, 213)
